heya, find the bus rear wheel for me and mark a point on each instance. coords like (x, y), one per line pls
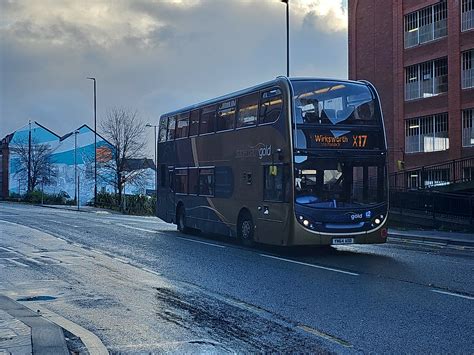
(245, 229)
(181, 220)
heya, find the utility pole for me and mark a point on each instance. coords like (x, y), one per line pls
(76, 186)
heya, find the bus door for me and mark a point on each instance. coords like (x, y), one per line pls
(273, 212)
(170, 198)
(166, 201)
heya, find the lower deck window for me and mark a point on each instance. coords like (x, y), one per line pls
(206, 182)
(181, 176)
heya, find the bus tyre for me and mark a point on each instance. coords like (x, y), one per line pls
(245, 229)
(181, 220)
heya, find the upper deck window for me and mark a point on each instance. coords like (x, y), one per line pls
(330, 102)
(171, 128)
(270, 106)
(208, 120)
(226, 116)
(247, 113)
(182, 125)
(194, 123)
(163, 129)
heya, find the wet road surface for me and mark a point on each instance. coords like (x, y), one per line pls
(141, 286)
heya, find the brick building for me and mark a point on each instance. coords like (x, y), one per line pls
(420, 56)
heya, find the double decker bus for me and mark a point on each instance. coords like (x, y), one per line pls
(293, 161)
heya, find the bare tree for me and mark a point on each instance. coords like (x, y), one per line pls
(38, 156)
(125, 130)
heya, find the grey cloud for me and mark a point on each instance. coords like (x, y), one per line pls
(184, 56)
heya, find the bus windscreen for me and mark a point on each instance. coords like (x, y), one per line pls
(332, 103)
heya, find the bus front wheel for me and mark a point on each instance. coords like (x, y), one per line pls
(245, 229)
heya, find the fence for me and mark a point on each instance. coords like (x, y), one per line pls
(451, 172)
(441, 208)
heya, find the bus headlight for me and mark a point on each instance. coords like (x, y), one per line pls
(307, 222)
(378, 220)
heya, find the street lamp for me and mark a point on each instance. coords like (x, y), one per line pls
(75, 166)
(287, 2)
(156, 159)
(95, 141)
(29, 157)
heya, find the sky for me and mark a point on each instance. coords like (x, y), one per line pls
(154, 56)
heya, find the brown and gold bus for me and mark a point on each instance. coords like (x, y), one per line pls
(289, 162)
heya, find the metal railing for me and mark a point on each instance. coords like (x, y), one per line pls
(440, 207)
(436, 175)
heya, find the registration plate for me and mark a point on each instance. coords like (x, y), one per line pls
(339, 241)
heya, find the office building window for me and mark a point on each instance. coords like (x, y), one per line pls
(426, 25)
(426, 79)
(467, 15)
(468, 128)
(427, 134)
(467, 69)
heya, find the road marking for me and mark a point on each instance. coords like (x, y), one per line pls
(136, 228)
(62, 223)
(311, 265)
(121, 260)
(453, 294)
(325, 336)
(198, 241)
(151, 271)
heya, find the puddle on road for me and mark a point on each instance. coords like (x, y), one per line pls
(37, 298)
(99, 303)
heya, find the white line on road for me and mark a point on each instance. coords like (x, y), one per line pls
(136, 228)
(453, 294)
(62, 223)
(121, 260)
(311, 265)
(151, 271)
(198, 241)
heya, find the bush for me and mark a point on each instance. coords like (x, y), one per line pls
(131, 204)
(37, 196)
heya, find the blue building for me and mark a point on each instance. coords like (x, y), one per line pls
(71, 161)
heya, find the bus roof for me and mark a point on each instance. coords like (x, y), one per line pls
(279, 79)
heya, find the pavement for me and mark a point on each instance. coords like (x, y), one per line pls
(432, 236)
(23, 331)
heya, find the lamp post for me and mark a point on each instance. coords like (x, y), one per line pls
(95, 141)
(29, 158)
(287, 2)
(156, 158)
(75, 166)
